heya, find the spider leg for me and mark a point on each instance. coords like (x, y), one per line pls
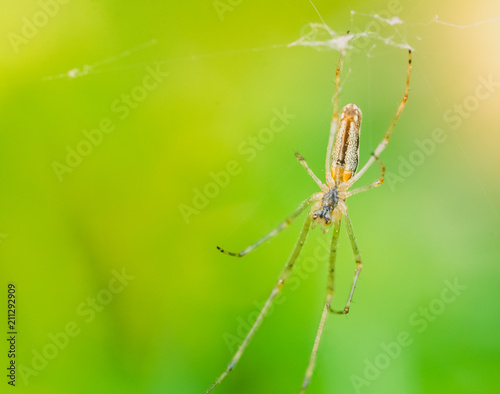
(333, 126)
(388, 133)
(329, 297)
(280, 227)
(357, 259)
(302, 161)
(378, 182)
(285, 273)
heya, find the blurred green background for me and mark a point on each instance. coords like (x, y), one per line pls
(67, 231)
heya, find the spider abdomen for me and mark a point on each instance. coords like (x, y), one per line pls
(346, 148)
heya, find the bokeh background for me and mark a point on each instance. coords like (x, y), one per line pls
(121, 208)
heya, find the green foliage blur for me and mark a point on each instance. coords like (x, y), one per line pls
(136, 137)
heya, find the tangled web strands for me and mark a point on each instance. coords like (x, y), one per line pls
(320, 36)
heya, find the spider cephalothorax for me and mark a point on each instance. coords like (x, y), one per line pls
(326, 208)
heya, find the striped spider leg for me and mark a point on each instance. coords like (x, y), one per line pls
(327, 208)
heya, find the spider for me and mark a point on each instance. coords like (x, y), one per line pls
(328, 207)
